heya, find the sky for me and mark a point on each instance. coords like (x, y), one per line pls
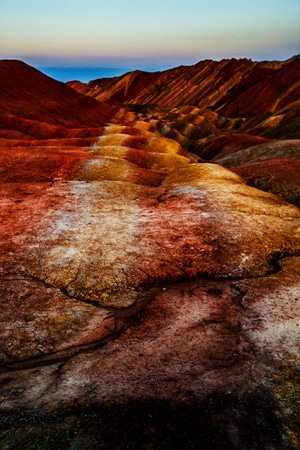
(122, 35)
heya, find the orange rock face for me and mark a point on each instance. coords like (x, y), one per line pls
(136, 277)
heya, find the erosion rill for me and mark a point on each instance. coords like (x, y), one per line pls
(148, 299)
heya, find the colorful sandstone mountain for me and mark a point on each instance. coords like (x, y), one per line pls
(150, 258)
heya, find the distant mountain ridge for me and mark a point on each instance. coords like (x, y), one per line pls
(240, 95)
(208, 83)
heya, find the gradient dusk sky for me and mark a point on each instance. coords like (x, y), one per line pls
(148, 35)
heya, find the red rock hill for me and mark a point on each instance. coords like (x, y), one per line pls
(258, 98)
(38, 106)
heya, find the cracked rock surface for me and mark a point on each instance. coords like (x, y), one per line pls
(117, 293)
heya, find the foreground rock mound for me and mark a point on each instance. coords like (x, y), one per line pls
(197, 221)
(102, 252)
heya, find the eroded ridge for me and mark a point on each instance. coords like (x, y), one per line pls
(144, 275)
(124, 226)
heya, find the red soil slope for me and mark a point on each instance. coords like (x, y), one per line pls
(38, 106)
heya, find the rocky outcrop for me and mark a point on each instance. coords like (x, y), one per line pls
(289, 149)
(140, 287)
(279, 176)
(229, 144)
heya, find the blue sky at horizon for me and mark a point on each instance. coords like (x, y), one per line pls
(146, 35)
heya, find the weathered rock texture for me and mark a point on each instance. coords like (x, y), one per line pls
(280, 176)
(141, 286)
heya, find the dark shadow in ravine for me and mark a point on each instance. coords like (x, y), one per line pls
(221, 422)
